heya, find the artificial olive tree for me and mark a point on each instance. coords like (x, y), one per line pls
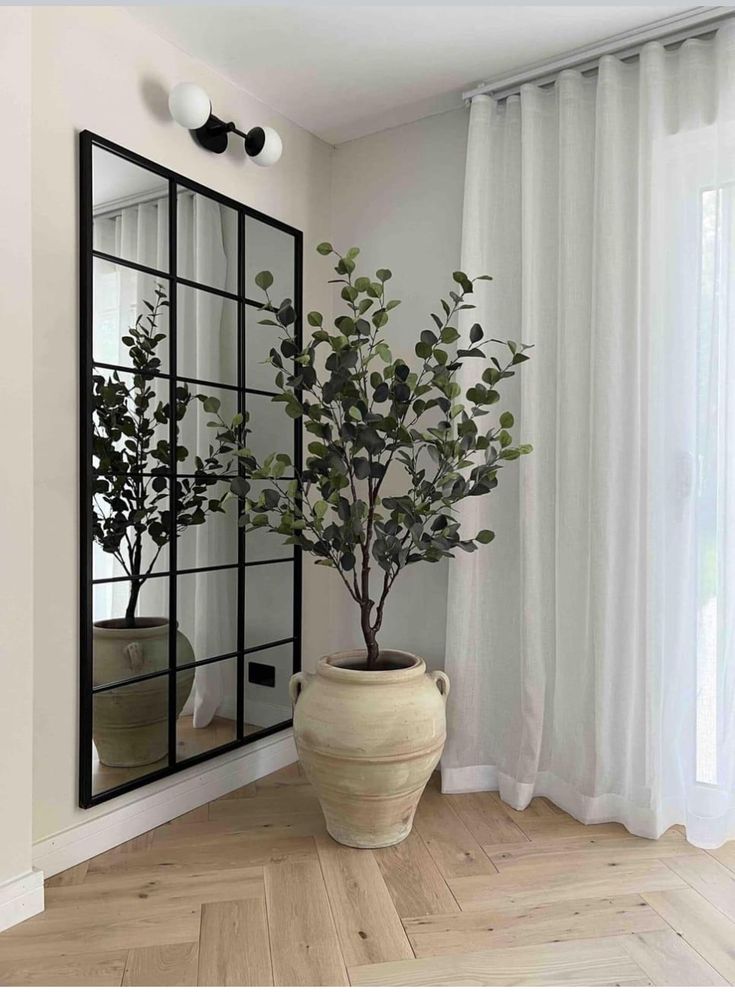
(369, 411)
(131, 486)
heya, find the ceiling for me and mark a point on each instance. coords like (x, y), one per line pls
(343, 71)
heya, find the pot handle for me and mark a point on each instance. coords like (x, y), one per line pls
(295, 685)
(134, 652)
(442, 681)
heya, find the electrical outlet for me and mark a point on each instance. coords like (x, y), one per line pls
(262, 674)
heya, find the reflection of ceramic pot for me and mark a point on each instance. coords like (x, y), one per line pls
(369, 740)
(130, 724)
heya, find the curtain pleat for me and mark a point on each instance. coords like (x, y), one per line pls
(590, 646)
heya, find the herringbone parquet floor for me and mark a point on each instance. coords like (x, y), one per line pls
(251, 891)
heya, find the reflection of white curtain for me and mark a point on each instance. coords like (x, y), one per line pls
(591, 646)
(207, 252)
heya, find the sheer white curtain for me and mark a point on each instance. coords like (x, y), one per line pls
(206, 342)
(591, 645)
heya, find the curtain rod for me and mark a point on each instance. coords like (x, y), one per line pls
(670, 30)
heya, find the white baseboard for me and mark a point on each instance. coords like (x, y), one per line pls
(21, 898)
(195, 788)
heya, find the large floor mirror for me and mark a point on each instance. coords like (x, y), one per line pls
(189, 627)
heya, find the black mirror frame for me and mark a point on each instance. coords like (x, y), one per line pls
(88, 141)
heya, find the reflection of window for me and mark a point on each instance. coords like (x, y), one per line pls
(716, 465)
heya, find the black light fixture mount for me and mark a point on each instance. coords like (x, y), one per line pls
(191, 108)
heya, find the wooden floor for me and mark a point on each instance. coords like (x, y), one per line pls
(251, 891)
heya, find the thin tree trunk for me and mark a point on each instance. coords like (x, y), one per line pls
(135, 583)
(369, 634)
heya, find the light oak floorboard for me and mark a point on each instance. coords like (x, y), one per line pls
(485, 819)
(368, 925)
(233, 944)
(124, 853)
(100, 970)
(703, 926)
(167, 966)
(558, 827)
(668, 960)
(605, 848)
(519, 925)
(579, 962)
(453, 847)
(295, 813)
(290, 776)
(305, 946)
(725, 854)
(200, 814)
(710, 878)
(85, 930)
(413, 879)
(71, 876)
(189, 855)
(154, 889)
(561, 882)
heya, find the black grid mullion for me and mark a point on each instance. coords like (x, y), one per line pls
(173, 500)
(169, 276)
(241, 408)
(129, 681)
(86, 603)
(193, 570)
(298, 448)
(225, 386)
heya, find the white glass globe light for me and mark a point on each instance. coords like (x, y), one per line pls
(189, 105)
(271, 151)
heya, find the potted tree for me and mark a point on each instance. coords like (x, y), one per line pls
(131, 493)
(396, 447)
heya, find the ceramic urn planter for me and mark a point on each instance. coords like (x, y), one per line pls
(369, 740)
(130, 723)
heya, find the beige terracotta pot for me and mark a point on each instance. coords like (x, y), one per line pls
(369, 741)
(130, 724)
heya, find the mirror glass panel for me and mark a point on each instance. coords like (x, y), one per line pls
(130, 206)
(190, 629)
(206, 242)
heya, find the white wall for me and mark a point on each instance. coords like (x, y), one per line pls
(398, 196)
(16, 443)
(98, 69)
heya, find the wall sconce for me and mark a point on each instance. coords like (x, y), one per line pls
(191, 108)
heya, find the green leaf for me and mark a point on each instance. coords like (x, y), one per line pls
(476, 333)
(315, 319)
(263, 280)
(383, 274)
(211, 404)
(324, 248)
(485, 537)
(506, 420)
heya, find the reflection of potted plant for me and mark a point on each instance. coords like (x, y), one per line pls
(370, 725)
(131, 522)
